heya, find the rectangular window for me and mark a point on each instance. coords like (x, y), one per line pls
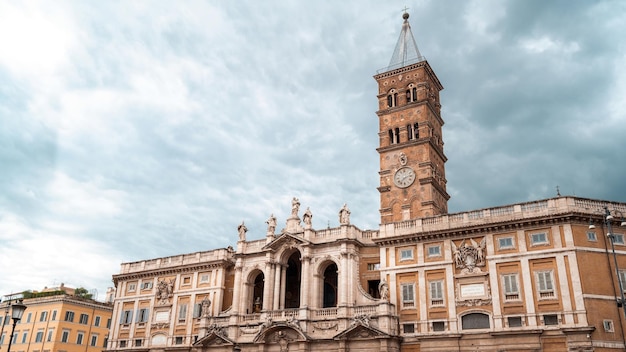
(204, 278)
(138, 342)
(54, 315)
(439, 326)
(408, 328)
(539, 238)
(14, 340)
(28, 316)
(591, 236)
(132, 287)
(373, 266)
(608, 325)
(406, 254)
(514, 322)
(622, 278)
(79, 338)
(511, 288)
(146, 285)
(2, 339)
(65, 336)
(7, 319)
(545, 284)
(96, 321)
(505, 243)
(84, 319)
(50, 335)
(123, 343)
(434, 251)
(127, 317)
(618, 238)
(550, 319)
(197, 310)
(142, 315)
(182, 312)
(109, 323)
(24, 336)
(436, 293)
(179, 340)
(94, 340)
(69, 316)
(39, 336)
(43, 316)
(408, 295)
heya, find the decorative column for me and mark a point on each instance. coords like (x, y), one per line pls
(305, 295)
(238, 288)
(268, 284)
(277, 286)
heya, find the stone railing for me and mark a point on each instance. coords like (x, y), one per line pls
(519, 211)
(174, 261)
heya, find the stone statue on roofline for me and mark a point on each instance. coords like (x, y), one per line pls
(308, 218)
(271, 224)
(242, 229)
(295, 207)
(344, 215)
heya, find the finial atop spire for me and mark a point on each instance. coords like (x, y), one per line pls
(405, 15)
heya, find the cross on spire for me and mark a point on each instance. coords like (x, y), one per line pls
(405, 8)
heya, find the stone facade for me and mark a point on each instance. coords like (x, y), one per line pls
(531, 276)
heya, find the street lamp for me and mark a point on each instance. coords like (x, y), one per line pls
(17, 310)
(608, 219)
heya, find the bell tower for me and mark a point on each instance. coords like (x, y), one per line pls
(412, 171)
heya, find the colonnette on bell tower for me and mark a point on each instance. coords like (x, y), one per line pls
(412, 172)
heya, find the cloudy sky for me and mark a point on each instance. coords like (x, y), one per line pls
(135, 130)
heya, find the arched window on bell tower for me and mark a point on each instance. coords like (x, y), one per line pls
(392, 99)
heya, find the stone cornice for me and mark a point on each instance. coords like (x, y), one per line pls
(190, 268)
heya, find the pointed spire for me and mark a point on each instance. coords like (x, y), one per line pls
(406, 51)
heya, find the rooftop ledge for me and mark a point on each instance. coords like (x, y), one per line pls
(483, 217)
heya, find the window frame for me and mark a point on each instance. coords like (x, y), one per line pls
(408, 251)
(534, 240)
(543, 292)
(83, 319)
(507, 246)
(433, 246)
(406, 290)
(436, 297)
(80, 336)
(593, 238)
(69, 316)
(619, 236)
(510, 293)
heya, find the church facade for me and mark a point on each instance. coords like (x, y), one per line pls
(533, 276)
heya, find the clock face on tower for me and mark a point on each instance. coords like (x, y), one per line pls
(404, 177)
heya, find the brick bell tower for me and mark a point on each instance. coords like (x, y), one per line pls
(412, 170)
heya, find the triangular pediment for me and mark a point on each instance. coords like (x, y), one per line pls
(214, 338)
(359, 331)
(286, 239)
(280, 333)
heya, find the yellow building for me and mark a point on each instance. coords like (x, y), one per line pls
(544, 275)
(56, 320)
